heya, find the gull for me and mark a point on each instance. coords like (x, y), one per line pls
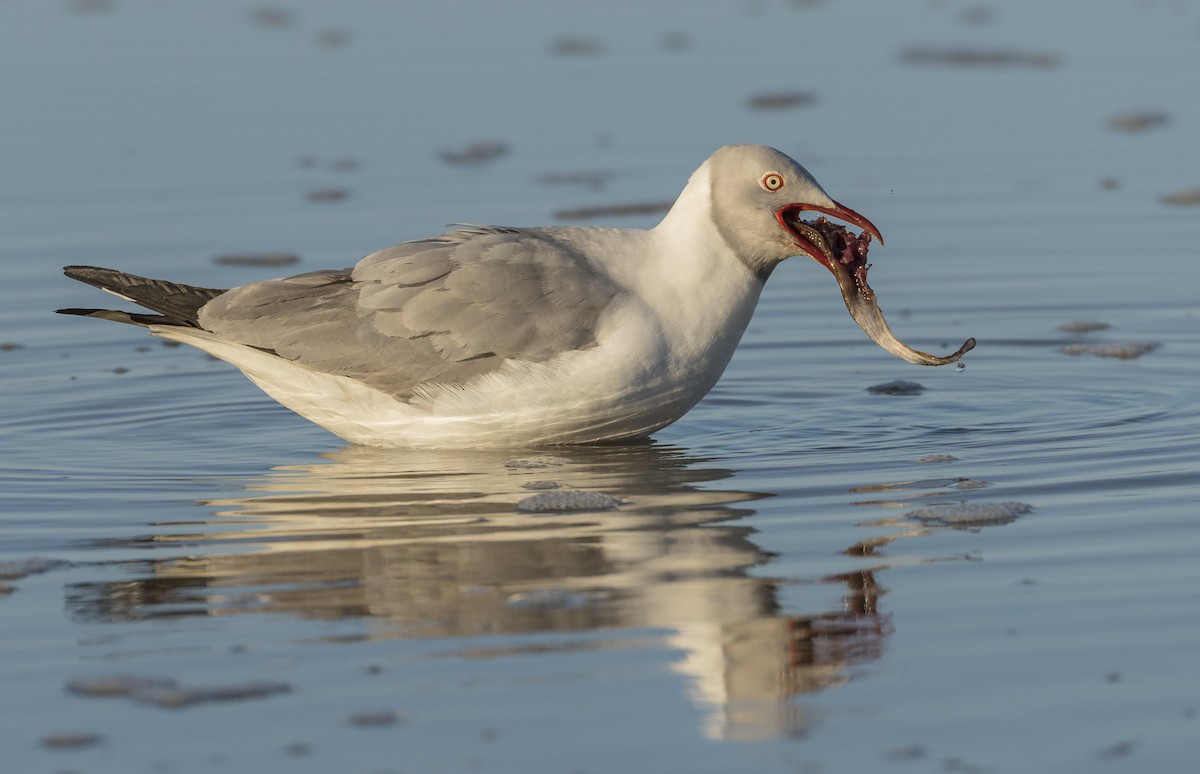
(494, 336)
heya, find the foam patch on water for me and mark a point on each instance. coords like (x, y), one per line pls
(570, 500)
(970, 515)
(1121, 350)
(540, 484)
(534, 463)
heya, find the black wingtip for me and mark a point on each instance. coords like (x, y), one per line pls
(97, 276)
(129, 318)
(176, 304)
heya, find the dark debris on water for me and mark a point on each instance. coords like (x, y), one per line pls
(71, 741)
(1119, 350)
(478, 152)
(576, 46)
(1136, 121)
(781, 100)
(896, 387)
(979, 57)
(1188, 197)
(327, 195)
(1083, 326)
(374, 719)
(170, 694)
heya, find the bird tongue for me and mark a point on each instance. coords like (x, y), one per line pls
(845, 255)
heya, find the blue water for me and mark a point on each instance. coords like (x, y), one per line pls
(765, 598)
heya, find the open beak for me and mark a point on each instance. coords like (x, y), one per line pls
(844, 253)
(842, 212)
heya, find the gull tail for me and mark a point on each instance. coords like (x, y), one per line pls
(174, 303)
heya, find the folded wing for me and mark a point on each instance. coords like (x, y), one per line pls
(434, 311)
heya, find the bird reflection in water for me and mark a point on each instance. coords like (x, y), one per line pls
(428, 544)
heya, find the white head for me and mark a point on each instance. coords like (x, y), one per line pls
(757, 196)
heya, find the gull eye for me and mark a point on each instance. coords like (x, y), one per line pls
(772, 181)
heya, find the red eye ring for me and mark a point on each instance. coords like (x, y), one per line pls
(772, 181)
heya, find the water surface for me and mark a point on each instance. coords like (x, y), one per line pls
(993, 575)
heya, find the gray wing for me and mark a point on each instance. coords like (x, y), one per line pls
(434, 311)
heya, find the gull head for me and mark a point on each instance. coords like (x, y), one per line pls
(767, 208)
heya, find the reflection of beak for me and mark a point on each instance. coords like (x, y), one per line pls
(846, 259)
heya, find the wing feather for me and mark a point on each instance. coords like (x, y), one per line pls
(435, 311)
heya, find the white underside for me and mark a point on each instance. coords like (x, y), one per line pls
(634, 382)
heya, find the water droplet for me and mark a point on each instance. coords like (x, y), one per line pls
(960, 366)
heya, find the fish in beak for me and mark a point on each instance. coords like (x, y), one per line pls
(844, 253)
